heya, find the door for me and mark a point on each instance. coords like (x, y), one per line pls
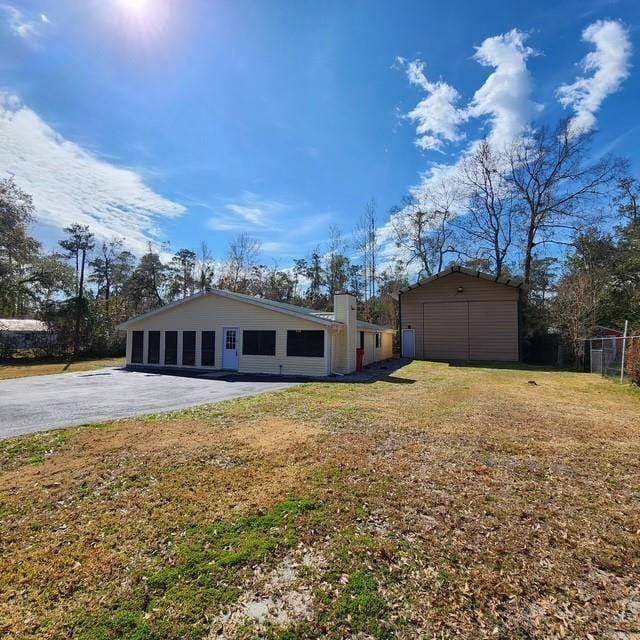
(408, 343)
(446, 331)
(230, 349)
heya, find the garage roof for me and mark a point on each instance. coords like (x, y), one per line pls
(518, 283)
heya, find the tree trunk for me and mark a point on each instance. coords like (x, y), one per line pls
(79, 297)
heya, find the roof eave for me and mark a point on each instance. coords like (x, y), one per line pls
(516, 283)
(230, 295)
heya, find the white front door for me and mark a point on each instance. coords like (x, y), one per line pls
(230, 349)
(408, 343)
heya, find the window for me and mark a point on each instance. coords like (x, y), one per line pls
(171, 347)
(230, 340)
(153, 351)
(188, 348)
(309, 344)
(208, 349)
(137, 342)
(362, 339)
(378, 340)
(259, 343)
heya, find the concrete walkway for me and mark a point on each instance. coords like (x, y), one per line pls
(44, 402)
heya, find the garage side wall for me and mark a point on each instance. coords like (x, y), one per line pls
(214, 313)
(480, 322)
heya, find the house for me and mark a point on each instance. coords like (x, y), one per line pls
(461, 314)
(220, 329)
(24, 333)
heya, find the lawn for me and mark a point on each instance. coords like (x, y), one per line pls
(25, 367)
(439, 502)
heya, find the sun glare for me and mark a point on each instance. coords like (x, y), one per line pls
(135, 6)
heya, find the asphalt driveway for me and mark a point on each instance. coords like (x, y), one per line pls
(44, 402)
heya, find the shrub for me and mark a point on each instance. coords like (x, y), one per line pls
(632, 363)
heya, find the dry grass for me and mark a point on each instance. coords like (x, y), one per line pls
(24, 368)
(441, 502)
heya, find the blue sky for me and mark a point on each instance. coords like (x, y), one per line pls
(191, 120)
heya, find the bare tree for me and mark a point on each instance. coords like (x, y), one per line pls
(627, 199)
(205, 267)
(337, 263)
(490, 218)
(422, 229)
(558, 190)
(243, 253)
(367, 245)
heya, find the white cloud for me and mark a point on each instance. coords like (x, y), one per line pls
(18, 23)
(69, 184)
(505, 95)
(44, 18)
(504, 98)
(250, 213)
(436, 116)
(609, 66)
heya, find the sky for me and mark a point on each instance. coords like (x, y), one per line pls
(185, 121)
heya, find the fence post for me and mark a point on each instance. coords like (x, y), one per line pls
(624, 348)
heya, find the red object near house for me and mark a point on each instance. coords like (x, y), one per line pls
(359, 359)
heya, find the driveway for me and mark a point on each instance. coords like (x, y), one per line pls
(44, 402)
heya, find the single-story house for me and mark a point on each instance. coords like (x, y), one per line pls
(461, 314)
(24, 333)
(220, 329)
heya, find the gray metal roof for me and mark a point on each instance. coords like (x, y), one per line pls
(24, 325)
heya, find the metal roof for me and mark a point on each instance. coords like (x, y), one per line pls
(24, 325)
(321, 317)
(518, 283)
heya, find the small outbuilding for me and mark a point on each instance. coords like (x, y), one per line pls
(24, 333)
(220, 329)
(461, 314)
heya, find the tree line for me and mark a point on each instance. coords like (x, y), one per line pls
(500, 210)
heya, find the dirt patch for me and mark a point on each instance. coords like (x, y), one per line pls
(272, 434)
(282, 596)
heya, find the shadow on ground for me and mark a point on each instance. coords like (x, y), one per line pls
(377, 372)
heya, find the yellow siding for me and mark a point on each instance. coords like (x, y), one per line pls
(214, 313)
(373, 354)
(339, 351)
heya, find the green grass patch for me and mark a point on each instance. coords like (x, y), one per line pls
(207, 572)
(31, 449)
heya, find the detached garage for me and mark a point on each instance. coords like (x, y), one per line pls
(460, 314)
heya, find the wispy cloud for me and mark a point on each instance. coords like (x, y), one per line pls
(609, 65)
(248, 213)
(70, 184)
(20, 24)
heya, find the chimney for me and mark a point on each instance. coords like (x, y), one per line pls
(345, 311)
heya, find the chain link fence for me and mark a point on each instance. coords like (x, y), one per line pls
(614, 357)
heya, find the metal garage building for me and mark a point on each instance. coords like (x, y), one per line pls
(461, 314)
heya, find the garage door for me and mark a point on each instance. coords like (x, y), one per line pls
(446, 335)
(471, 330)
